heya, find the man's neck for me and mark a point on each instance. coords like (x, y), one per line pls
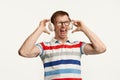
(63, 40)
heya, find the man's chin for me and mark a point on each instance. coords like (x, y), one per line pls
(63, 36)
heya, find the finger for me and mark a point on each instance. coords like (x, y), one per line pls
(47, 20)
(74, 22)
(44, 21)
(47, 32)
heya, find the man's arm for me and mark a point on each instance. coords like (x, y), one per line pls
(29, 49)
(96, 46)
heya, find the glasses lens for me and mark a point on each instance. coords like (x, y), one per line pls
(59, 24)
(66, 23)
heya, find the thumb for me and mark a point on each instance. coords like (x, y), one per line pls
(74, 30)
(46, 31)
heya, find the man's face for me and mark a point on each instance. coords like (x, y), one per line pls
(61, 26)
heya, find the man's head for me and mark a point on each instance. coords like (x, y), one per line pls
(61, 21)
(58, 13)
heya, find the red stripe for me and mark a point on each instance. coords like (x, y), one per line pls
(68, 79)
(45, 47)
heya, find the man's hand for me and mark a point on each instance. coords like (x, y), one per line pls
(78, 24)
(42, 25)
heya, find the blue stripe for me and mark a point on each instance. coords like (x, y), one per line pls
(81, 50)
(54, 63)
(62, 71)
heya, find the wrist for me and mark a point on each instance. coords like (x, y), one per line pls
(83, 29)
(40, 28)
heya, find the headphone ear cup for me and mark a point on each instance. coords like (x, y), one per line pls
(71, 26)
(51, 26)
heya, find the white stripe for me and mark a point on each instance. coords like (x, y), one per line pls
(63, 49)
(63, 76)
(63, 66)
(83, 45)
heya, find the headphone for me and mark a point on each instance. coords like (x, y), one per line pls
(51, 26)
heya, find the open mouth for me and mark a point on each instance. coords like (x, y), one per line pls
(63, 30)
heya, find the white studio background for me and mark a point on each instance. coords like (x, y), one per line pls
(19, 18)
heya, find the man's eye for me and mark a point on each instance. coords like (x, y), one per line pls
(59, 23)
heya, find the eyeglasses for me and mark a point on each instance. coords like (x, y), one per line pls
(66, 23)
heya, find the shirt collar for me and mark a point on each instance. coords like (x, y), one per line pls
(57, 41)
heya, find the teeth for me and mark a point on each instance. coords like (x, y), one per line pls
(62, 30)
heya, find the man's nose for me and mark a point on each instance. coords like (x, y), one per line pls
(63, 24)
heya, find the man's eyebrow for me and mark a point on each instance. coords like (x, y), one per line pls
(63, 21)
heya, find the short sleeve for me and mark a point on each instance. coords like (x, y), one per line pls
(40, 48)
(82, 48)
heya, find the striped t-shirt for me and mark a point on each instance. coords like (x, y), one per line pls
(61, 61)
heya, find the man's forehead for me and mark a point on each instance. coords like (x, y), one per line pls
(62, 18)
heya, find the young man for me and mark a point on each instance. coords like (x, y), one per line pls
(61, 56)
